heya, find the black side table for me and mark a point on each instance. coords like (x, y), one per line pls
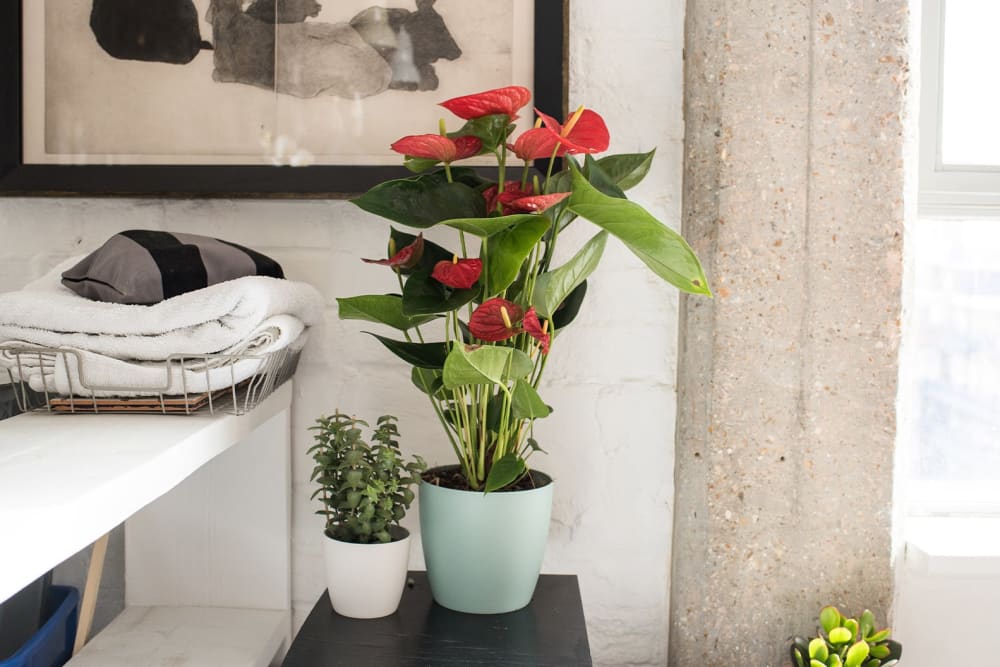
(549, 632)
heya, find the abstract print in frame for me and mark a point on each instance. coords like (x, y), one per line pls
(219, 97)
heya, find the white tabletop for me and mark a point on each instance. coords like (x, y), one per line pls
(65, 480)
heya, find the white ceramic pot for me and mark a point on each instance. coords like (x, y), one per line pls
(366, 580)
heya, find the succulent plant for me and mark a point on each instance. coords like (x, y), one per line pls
(846, 642)
(365, 489)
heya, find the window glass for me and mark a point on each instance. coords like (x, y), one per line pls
(971, 96)
(953, 352)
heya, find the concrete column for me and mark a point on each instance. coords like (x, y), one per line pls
(787, 379)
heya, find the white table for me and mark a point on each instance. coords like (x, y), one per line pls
(206, 503)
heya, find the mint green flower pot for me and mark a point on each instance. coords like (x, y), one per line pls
(484, 551)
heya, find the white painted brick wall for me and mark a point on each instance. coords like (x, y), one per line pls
(611, 378)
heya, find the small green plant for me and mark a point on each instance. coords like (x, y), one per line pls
(365, 489)
(846, 642)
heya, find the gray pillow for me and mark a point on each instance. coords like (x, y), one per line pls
(145, 267)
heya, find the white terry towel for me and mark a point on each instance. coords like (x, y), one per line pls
(83, 373)
(220, 318)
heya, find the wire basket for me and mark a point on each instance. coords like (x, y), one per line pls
(60, 381)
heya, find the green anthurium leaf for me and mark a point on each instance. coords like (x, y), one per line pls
(867, 623)
(491, 130)
(881, 635)
(526, 403)
(506, 251)
(818, 649)
(489, 364)
(599, 179)
(552, 287)
(419, 165)
(424, 355)
(423, 295)
(504, 472)
(628, 169)
(483, 227)
(433, 253)
(829, 618)
(381, 308)
(494, 412)
(570, 308)
(534, 446)
(427, 380)
(662, 249)
(422, 201)
(857, 654)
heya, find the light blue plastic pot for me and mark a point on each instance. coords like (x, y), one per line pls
(484, 551)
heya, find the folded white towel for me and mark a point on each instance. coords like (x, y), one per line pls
(84, 373)
(222, 318)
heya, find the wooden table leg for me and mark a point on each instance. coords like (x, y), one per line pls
(90, 589)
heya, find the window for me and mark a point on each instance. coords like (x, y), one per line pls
(950, 386)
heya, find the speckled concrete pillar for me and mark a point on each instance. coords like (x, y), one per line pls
(793, 198)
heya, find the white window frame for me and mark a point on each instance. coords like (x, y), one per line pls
(946, 190)
(954, 192)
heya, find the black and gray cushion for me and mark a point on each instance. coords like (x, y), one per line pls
(145, 267)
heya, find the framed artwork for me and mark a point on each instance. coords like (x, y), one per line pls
(250, 98)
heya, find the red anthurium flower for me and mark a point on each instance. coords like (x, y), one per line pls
(458, 273)
(584, 132)
(511, 192)
(407, 258)
(534, 328)
(499, 100)
(437, 147)
(496, 319)
(535, 144)
(537, 203)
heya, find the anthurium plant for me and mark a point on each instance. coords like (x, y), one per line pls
(478, 320)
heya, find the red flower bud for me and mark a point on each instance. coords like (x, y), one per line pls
(407, 258)
(535, 329)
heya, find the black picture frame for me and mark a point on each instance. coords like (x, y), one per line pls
(227, 181)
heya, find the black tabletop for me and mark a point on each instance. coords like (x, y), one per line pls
(549, 632)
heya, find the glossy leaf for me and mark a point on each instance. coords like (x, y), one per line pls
(867, 624)
(484, 227)
(484, 365)
(380, 308)
(507, 250)
(426, 380)
(829, 618)
(628, 169)
(840, 636)
(662, 249)
(552, 287)
(504, 472)
(857, 654)
(880, 651)
(422, 201)
(423, 295)
(526, 403)
(491, 130)
(423, 355)
(601, 180)
(852, 625)
(818, 649)
(881, 635)
(570, 307)
(834, 661)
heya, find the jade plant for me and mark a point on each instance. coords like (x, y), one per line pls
(364, 488)
(846, 642)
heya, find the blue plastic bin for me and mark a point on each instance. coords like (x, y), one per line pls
(52, 645)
